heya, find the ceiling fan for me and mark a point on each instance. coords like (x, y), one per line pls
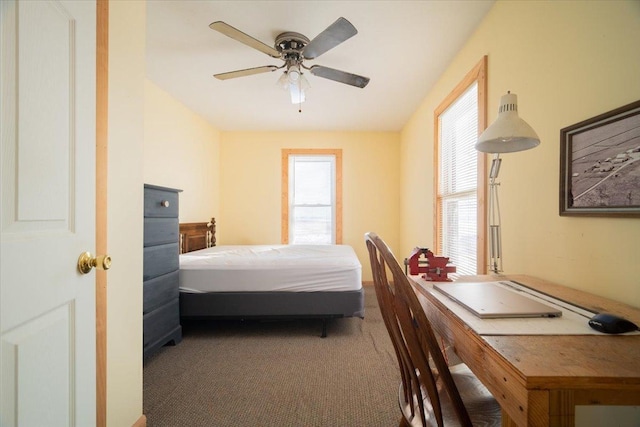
(294, 49)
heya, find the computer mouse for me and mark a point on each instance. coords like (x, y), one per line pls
(611, 324)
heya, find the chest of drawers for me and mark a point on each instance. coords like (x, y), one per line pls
(161, 316)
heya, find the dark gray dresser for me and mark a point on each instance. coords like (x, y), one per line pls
(161, 316)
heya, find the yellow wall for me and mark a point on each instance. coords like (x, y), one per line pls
(567, 62)
(181, 150)
(125, 201)
(250, 168)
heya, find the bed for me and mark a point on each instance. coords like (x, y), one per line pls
(266, 281)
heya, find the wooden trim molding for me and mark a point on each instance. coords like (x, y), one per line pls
(140, 422)
(284, 197)
(477, 74)
(482, 167)
(102, 106)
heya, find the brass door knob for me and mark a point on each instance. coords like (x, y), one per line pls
(86, 262)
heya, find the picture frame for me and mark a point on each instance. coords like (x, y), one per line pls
(600, 165)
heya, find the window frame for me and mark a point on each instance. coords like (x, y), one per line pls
(478, 74)
(286, 153)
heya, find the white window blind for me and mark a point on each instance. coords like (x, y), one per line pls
(457, 181)
(312, 199)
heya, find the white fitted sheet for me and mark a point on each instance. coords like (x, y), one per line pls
(267, 268)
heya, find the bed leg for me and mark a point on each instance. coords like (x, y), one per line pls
(324, 328)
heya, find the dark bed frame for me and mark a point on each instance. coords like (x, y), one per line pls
(260, 305)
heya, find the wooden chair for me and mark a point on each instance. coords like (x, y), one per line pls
(431, 392)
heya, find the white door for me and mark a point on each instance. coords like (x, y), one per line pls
(47, 120)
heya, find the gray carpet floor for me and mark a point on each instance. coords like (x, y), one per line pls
(247, 373)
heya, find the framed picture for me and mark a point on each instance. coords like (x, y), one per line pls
(600, 165)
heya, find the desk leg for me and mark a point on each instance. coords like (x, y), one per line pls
(539, 413)
(562, 408)
(541, 410)
(507, 421)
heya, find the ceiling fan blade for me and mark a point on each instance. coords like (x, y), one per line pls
(238, 35)
(339, 76)
(331, 37)
(246, 72)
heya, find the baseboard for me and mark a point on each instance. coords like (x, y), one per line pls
(142, 421)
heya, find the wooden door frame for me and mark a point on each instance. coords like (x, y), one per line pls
(102, 105)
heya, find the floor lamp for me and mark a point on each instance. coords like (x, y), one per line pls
(508, 134)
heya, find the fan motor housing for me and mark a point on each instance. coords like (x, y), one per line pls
(291, 42)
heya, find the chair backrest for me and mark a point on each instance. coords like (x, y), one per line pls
(420, 359)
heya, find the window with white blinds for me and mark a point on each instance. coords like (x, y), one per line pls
(312, 196)
(457, 222)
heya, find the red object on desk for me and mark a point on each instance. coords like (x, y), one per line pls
(435, 268)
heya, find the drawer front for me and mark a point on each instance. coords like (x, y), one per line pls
(160, 290)
(159, 260)
(160, 321)
(160, 203)
(158, 231)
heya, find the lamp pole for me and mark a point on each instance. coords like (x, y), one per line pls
(495, 236)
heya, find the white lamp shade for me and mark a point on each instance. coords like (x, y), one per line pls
(509, 133)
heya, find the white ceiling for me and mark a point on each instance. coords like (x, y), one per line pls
(402, 46)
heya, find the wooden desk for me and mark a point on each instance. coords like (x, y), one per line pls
(538, 380)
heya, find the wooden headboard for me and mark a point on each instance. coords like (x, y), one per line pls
(197, 235)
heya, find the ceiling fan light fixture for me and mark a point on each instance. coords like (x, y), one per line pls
(304, 83)
(293, 74)
(298, 90)
(297, 95)
(294, 81)
(283, 81)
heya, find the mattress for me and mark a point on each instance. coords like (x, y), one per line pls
(271, 268)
